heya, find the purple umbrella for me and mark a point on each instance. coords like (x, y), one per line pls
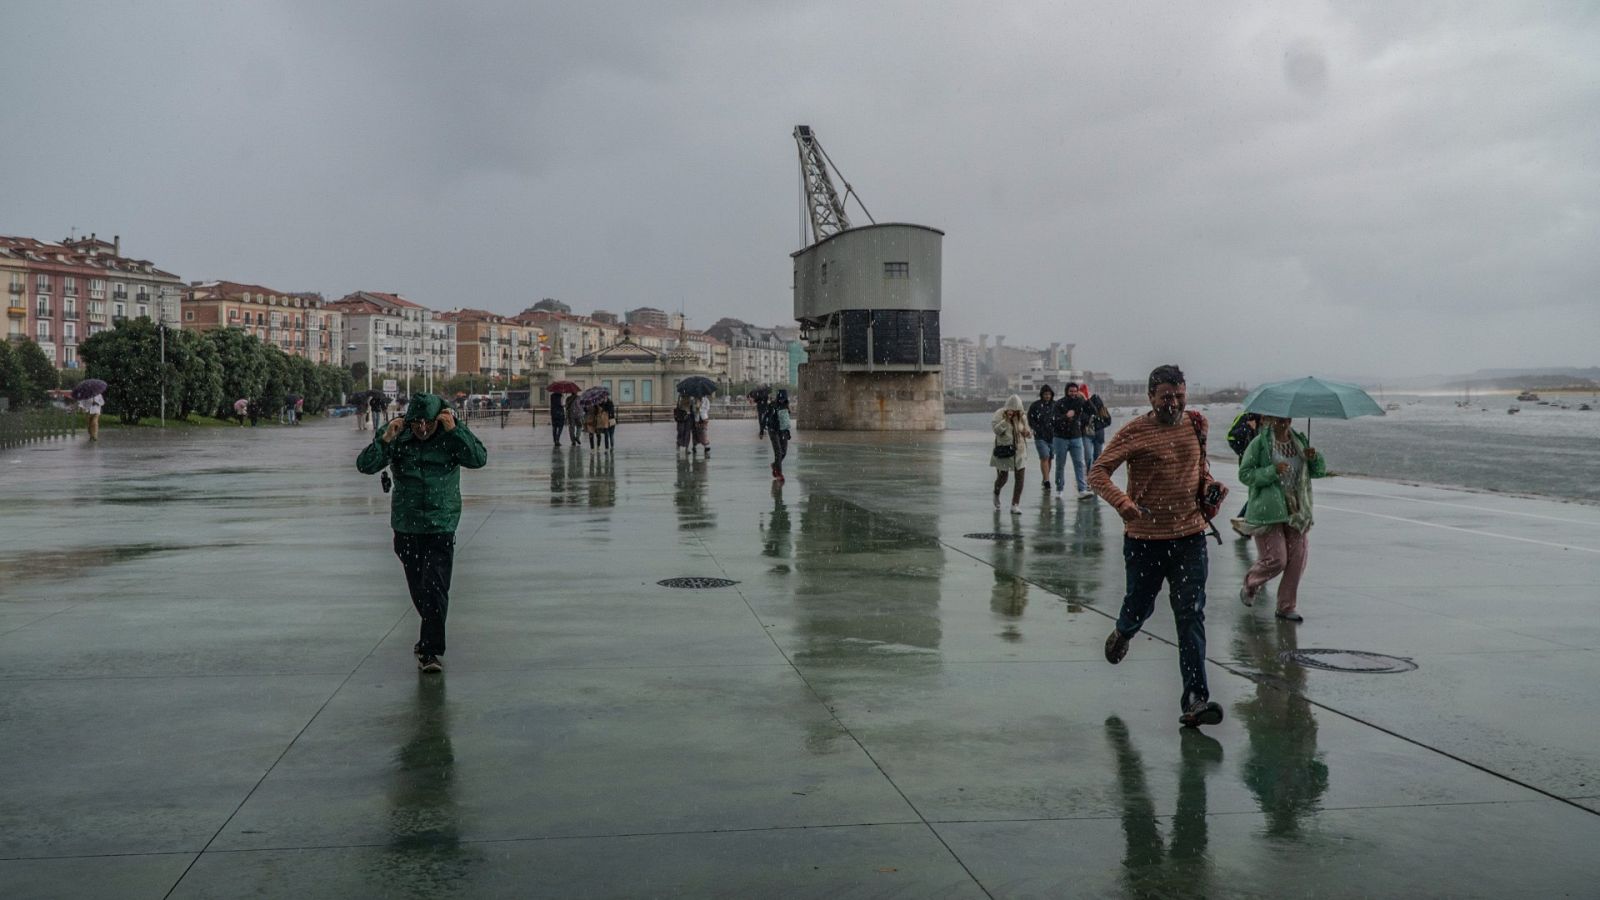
(89, 387)
(593, 397)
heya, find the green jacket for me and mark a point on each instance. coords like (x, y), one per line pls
(427, 474)
(1268, 504)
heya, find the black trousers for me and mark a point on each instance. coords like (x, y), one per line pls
(428, 559)
(780, 448)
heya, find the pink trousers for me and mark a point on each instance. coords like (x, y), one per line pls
(1280, 550)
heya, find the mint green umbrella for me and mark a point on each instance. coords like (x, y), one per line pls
(1312, 398)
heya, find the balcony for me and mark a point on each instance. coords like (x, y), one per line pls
(71, 315)
(16, 288)
(97, 315)
(119, 318)
(119, 295)
(141, 297)
(17, 310)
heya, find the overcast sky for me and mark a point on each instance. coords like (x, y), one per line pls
(1251, 190)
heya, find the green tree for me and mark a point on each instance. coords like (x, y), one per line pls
(128, 359)
(13, 380)
(243, 361)
(194, 373)
(280, 381)
(39, 371)
(358, 371)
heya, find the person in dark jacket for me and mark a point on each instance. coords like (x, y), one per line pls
(1041, 414)
(426, 451)
(375, 410)
(610, 410)
(574, 418)
(1101, 420)
(776, 425)
(1072, 415)
(558, 416)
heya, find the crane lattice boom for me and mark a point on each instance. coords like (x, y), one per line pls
(822, 200)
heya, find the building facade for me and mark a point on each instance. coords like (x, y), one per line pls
(396, 338)
(490, 344)
(61, 293)
(755, 355)
(298, 324)
(960, 357)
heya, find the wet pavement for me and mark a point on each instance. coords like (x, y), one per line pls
(206, 640)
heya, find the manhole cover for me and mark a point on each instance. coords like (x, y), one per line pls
(993, 536)
(1347, 661)
(696, 583)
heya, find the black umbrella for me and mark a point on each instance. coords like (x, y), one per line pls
(697, 386)
(760, 394)
(89, 387)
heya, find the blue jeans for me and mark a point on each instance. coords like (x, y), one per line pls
(1073, 447)
(1096, 444)
(1182, 565)
(1043, 446)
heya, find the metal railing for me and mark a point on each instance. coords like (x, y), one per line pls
(21, 426)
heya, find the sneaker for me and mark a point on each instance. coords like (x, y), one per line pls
(430, 664)
(1116, 647)
(1245, 597)
(1290, 616)
(1016, 509)
(1201, 712)
(1086, 495)
(1047, 485)
(416, 650)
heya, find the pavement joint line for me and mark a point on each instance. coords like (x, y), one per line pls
(303, 729)
(1457, 528)
(1487, 509)
(1355, 807)
(1238, 672)
(832, 714)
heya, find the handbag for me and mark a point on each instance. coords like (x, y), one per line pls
(1005, 451)
(1212, 492)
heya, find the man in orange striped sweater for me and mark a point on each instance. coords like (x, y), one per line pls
(1164, 533)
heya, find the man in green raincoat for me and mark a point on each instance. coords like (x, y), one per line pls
(425, 451)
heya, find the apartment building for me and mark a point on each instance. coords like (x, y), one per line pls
(755, 355)
(396, 337)
(299, 324)
(490, 344)
(959, 357)
(60, 293)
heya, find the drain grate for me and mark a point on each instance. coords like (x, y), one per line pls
(1358, 661)
(696, 583)
(994, 536)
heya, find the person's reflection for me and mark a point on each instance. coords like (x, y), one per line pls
(424, 851)
(1010, 594)
(1177, 867)
(776, 540)
(1282, 767)
(602, 480)
(690, 496)
(558, 477)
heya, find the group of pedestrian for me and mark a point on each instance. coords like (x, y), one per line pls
(1166, 510)
(692, 418)
(1073, 427)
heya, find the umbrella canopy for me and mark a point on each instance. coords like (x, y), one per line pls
(563, 387)
(593, 397)
(697, 386)
(760, 394)
(89, 387)
(1311, 398)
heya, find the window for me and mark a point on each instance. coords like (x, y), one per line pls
(625, 390)
(646, 389)
(897, 270)
(42, 307)
(69, 286)
(188, 315)
(41, 284)
(69, 332)
(43, 331)
(120, 310)
(605, 383)
(97, 287)
(69, 357)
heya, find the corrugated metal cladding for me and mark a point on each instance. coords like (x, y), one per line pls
(893, 266)
(893, 337)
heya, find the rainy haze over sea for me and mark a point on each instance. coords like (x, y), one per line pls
(1542, 450)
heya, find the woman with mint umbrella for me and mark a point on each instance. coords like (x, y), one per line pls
(1277, 468)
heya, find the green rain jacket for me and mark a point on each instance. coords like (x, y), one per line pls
(1268, 504)
(427, 474)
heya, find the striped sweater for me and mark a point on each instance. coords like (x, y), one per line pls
(1164, 470)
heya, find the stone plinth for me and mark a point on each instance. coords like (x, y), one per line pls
(830, 400)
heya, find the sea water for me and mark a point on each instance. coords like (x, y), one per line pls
(1543, 450)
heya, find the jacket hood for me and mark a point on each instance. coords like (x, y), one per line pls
(1046, 389)
(424, 407)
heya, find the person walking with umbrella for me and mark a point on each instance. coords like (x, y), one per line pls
(701, 388)
(91, 396)
(683, 418)
(1277, 468)
(759, 398)
(558, 408)
(1164, 531)
(426, 451)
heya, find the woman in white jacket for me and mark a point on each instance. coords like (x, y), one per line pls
(1012, 438)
